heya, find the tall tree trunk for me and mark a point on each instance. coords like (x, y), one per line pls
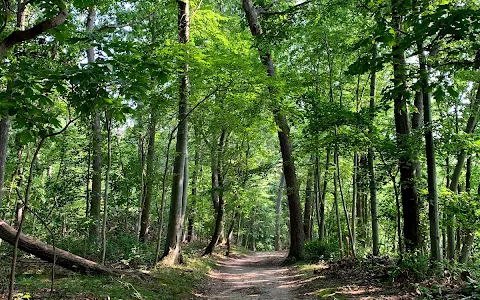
(345, 211)
(297, 236)
(221, 200)
(96, 197)
(321, 230)
(316, 193)
(307, 215)
(417, 118)
(433, 214)
(172, 253)
(149, 178)
(469, 236)
(191, 215)
(142, 173)
(335, 203)
(108, 122)
(185, 193)
(87, 185)
(410, 201)
(214, 178)
(278, 213)
(371, 164)
(354, 197)
(230, 233)
(4, 129)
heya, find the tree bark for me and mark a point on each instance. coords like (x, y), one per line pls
(467, 246)
(354, 197)
(191, 215)
(410, 201)
(433, 214)
(321, 230)
(371, 165)
(335, 203)
(417, 119)
(4, 132)
(297, 236)
(307, 215)
(150, 160)
(221, 200)
(45, 252)
(230, 233)
(345, 211)
(96, 196)
(172, 253)
(278, 213)
(108, 122)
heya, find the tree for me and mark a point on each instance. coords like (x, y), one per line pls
(172, 252)
(297, 236)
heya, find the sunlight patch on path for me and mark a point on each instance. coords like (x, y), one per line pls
(258, 276)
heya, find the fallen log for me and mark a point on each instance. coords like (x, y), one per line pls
(45, 252)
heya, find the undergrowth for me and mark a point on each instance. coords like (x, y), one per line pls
(34, 278)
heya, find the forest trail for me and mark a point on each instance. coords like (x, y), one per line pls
(256, 276)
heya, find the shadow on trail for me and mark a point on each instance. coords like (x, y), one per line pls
(256, 276)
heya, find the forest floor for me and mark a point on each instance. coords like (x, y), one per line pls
(263, 276)
(260, 275)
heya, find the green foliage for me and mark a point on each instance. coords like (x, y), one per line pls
(413, 266)
(317, 250)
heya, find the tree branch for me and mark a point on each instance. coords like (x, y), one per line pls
(19, 36)
(289, 10)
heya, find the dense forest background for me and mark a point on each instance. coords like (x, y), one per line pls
(331, 128)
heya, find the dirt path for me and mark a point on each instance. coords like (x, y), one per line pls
(257, 276)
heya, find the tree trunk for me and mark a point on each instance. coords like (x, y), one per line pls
(417, 118)
(307, 216)
(96, 196)
(218, 225)
(219, 192)
(335, 196)
(321, 230)
(214, 171)
(371, 165)
(410, 201)
(4, 129)
(46, 252)
(345, 211)
(149, 179)
(297, 237)
(108, 122)
(141, 195)
(316, 193)
(191, 215)
(467, 246)
(230, 233)
(354, 197)
(433, 215)
(278, 213)
(172, 253)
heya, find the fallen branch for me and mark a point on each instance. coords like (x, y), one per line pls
(46, 252)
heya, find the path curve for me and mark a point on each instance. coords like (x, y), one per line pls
(256, 276)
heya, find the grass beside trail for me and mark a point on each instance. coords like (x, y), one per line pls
(33, 282)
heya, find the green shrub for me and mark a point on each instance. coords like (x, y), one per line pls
(317, 250)
(413, 266)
